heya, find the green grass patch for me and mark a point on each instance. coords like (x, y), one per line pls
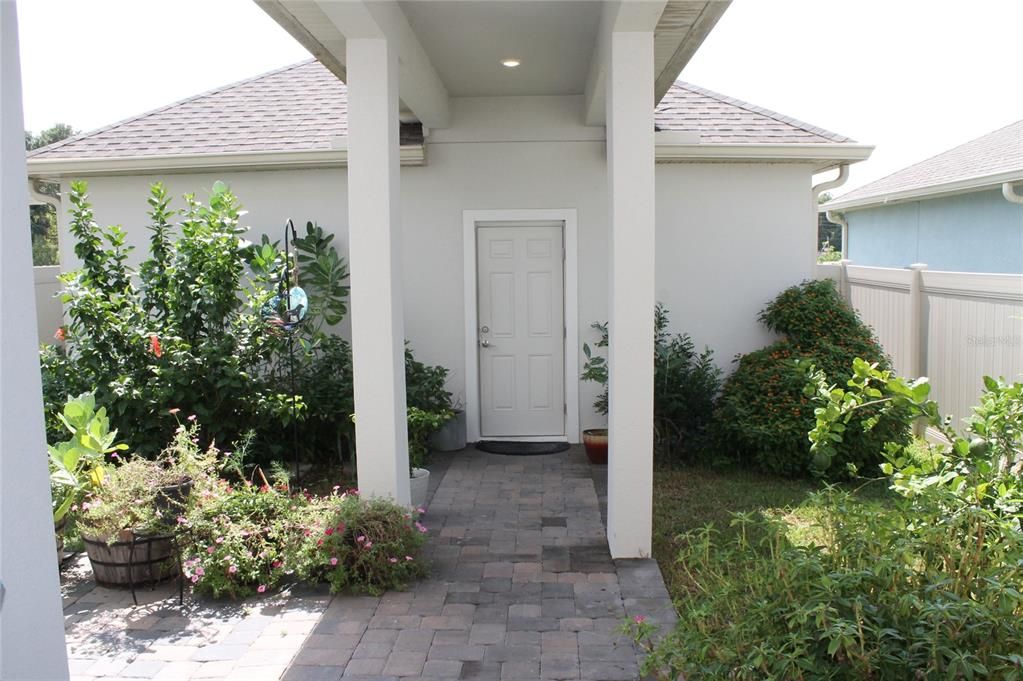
(690, 498)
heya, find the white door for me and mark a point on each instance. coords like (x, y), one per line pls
(521, 334)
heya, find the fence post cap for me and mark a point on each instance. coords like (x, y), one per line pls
(918, 266)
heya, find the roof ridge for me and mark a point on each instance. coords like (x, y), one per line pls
(192, 98)
(865, 189)
(781, 118)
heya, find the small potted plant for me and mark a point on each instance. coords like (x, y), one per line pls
(595, 369)
(450, 437)
(422, 424)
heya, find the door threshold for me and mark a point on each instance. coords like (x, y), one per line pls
(525, 438)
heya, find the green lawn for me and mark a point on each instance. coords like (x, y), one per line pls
(689, 498)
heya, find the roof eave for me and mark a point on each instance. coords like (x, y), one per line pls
(411, 155)
(821, 156)
(961, 186)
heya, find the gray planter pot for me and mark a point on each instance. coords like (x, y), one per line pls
(451, 436)
(419, 486)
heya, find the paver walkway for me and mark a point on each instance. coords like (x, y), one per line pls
(522, 588)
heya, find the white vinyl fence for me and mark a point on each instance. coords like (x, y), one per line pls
(49, 312)
(953, 327)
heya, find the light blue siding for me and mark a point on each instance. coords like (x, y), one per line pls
(979, 232)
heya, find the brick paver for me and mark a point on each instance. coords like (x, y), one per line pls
(522, 587)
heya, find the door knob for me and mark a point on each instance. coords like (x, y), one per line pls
(485, 343)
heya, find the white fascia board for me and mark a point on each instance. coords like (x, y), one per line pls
(934, 191)
(419, 86)
(672, 147)
(698, 32)
(411, 155)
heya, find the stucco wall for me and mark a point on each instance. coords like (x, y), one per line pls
(978, 232)
(730, 236)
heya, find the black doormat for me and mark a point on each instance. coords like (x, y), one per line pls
(521, 448)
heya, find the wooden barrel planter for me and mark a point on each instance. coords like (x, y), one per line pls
(140, 560)
(58, 531)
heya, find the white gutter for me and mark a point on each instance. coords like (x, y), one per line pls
(1009, 192)
(961, 186)
(411, 155)
(671, 149)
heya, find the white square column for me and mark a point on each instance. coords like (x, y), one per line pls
(630, 163)
(31, 622)
(378, 335)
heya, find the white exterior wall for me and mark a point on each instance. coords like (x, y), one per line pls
(729, 236)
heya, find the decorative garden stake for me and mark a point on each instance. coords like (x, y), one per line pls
(287, 310)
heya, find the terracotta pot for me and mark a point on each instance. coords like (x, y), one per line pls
(595, 441)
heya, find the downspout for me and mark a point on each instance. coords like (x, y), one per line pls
(839, 219)
(37, 198)
(1009, 192)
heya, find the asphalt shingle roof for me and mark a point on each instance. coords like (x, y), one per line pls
(721, 119)
(997, 152)
(304, 107)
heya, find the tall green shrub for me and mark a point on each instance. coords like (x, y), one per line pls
(763, 414)
(686, 384)
(182, 331)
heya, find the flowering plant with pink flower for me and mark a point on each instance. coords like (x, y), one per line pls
(242, 541)
(355, 543)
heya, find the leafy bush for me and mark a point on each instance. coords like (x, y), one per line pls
(362, 544)
(685, 386)
(927, 588)
(195, 328)
(187, 335)
(763, 414)
(894, 595)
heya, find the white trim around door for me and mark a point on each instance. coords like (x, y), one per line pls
(470, 220)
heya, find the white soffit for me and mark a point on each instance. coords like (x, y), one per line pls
(466, 41)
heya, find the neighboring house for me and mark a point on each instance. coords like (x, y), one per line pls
(524, 209)
(958, 211)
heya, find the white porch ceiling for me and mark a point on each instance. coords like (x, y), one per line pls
(454, 48)
(467, 39)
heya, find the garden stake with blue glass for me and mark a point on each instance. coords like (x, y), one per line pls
(290, 320)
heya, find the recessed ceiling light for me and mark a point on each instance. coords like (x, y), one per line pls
(510, 63)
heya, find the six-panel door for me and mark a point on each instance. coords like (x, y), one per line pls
(521, 340)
